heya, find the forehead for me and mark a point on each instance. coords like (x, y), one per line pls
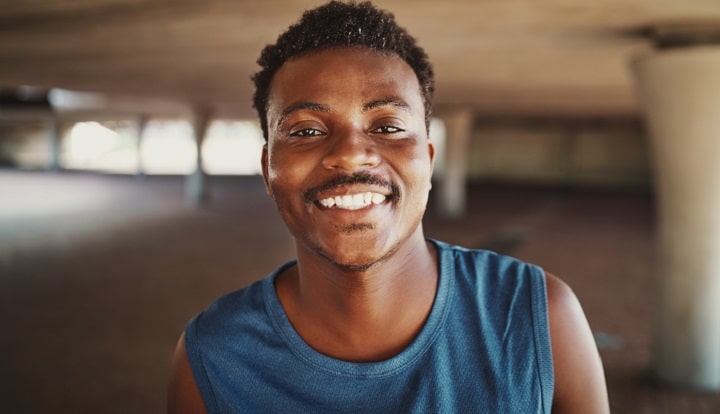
(343, 76)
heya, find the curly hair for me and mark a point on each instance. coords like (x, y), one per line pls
(338, 24)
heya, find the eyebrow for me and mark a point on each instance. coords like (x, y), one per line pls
(389, 101)
(302, 105)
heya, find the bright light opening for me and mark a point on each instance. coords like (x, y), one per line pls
(233, 148)
(104, 147)
(438, 135)
(167, 147)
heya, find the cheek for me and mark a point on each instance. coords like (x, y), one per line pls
(286, 176)
(421, 168)
(292, 166)
(277, 170)
(274, 177)
(421, 172)
(280, 185)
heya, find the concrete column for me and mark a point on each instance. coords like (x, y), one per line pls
(452, 191)
(54, 132)
(196, 182)
(680, 92)
(140, 125)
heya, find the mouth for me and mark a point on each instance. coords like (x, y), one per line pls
(352, 201)
(353, 192)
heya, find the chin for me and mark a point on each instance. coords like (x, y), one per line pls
(357, 264)
(356, 267)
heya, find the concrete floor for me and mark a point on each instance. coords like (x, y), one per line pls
(99, 274)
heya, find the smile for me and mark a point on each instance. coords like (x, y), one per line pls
(353, 201)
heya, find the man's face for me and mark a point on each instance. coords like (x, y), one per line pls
(348, 160)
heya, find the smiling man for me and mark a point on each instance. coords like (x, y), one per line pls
(372, 316)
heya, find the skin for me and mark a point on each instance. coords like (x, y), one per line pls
(347, 111)
(353, 111)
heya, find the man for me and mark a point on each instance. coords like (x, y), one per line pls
(372, 316)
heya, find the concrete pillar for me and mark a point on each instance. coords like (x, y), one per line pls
(196, 182)
(452, 187)
(54, 133)
(140, 125)
(680, 92)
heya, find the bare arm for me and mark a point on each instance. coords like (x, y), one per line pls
(183, 394)
(579, 378)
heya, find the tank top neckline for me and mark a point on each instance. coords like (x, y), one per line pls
(388, 367)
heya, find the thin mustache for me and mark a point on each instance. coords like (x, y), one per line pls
(357, 178)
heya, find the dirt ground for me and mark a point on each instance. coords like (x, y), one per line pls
(99, 274)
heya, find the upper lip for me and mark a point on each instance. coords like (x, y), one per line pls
(351, 184)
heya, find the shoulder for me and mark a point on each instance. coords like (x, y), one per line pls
(203, 339)
(183, 395)
(234, 309)
(494, 277)
(579, 377)
(227, 324)
(494, 281)
(481, 262)
(220, 330)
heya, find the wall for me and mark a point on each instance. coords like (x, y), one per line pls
(592, 153)
(24, 144)
(606, 153)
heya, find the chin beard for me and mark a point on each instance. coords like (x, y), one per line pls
(359, 264)
(360, 267)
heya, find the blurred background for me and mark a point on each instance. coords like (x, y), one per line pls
(579, 135)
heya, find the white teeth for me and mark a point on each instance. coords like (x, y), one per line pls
(353, 201)
(327, 202)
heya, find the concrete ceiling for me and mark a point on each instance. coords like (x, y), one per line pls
(498, 56)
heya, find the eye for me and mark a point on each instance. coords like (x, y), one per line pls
(387, 129)
(307, 132)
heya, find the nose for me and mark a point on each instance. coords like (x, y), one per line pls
(350, 150)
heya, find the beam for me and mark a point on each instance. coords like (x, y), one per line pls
(53, 141)
(452, 192)
(196, 182)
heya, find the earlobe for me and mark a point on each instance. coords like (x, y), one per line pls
(264, 165)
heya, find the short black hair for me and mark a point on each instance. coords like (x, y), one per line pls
(338, 24)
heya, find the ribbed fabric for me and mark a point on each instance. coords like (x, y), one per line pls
(485, 348)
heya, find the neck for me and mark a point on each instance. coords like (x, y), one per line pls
(361, 315)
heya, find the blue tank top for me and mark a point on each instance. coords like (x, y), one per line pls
(485, 348)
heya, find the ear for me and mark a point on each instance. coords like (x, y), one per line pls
(264, 164)
(431, 151)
